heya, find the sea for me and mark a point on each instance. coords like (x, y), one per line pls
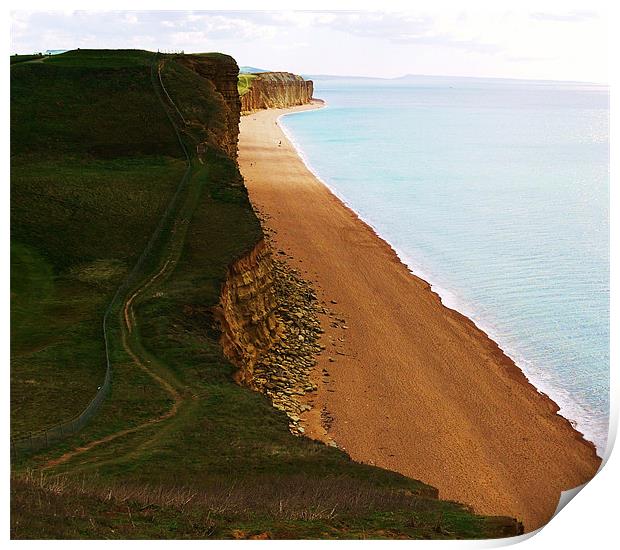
(496, 192)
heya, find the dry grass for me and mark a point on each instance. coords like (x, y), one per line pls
(57, 506)
(296, 498)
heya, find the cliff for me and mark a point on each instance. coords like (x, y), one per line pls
(268, 318)
(246, 312)
(276, 90)
(218, 72)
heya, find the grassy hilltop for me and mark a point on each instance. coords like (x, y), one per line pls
(245, 83)
(178, 450)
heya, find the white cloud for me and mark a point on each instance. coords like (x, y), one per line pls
(564, 45)
(571, 17)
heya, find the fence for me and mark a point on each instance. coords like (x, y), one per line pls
(45, 437)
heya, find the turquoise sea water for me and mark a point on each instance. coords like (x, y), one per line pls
(497, 193)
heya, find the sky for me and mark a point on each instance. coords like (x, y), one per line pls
(548, 44)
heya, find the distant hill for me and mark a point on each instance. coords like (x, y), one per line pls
(339, 76)
(246, 70)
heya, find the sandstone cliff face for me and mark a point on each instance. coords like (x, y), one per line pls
(276, 90)
(221, 71)
(246, 312)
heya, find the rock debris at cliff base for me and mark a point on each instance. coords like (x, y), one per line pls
(268, 315)
(283, 372)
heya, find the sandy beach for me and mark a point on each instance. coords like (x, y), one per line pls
(406, 383)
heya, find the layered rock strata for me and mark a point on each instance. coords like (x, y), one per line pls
(247, 311)
(276, 90)
(221, 72)
(268, 316)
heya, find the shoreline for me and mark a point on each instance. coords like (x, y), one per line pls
(424, 279)
(447, 298)
(426, 368)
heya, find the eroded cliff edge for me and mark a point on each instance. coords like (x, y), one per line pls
(268, 317)
(219, 75)
(266, 314)
(275, 90)
(246, 312)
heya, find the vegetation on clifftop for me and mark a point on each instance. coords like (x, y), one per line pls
(244, 83)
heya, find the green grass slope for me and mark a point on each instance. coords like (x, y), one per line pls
(244, 83)
(178, 450)
(93, 165)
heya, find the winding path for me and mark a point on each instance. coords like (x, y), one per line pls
(129, 322)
